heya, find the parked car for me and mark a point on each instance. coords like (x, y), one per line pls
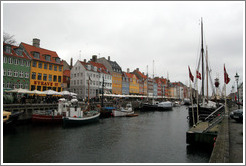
(237, 115)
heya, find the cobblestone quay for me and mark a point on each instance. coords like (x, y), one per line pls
(228, 147)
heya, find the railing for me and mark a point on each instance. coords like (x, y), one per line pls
(215, 118)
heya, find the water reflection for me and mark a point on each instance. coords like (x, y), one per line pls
(151, 137)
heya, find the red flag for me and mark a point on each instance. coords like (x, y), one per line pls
(226, 77)
(198, 75)
(191, 76)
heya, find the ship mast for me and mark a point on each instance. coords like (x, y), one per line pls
(202, 49)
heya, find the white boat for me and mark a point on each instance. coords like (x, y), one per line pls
(123, 111)
(165, 105)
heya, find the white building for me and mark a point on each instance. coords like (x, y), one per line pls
(84, 72)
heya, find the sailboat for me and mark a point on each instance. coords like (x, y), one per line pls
(204, 107)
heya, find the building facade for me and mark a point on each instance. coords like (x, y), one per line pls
(87, 79)
(116, 73)
(16, 67)
(133, 83)
(46, 68)
(125, 84)
(142, 79)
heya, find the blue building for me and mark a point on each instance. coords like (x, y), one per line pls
(154, 88)
(125, 84)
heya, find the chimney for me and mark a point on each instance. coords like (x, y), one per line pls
(71, 62)
(137, 69)
(36, 42)
(128, 70)
(108, 58)
(85, 60)
(94, 58)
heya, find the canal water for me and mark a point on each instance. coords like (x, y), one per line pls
(151, 137)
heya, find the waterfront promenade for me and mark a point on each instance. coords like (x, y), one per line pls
(228, 147)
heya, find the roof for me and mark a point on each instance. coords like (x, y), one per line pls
(30, 49)
(66, 73)
(100, 67)
(141, 74)
(13, 53)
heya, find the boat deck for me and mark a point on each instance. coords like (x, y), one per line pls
(201, 126)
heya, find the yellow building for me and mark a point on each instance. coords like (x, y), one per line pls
(46, 68)
(133, 83)
(116, 83)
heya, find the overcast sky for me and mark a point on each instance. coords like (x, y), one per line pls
(134, 34)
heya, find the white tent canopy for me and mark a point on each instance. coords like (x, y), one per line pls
(20, 90)
(51, 92)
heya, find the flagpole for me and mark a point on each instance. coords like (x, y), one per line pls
(193, 117)
(197, 102)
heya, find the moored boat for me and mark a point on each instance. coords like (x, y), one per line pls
(52, 116)
(123, 111)
(10, 118)
(165, 105)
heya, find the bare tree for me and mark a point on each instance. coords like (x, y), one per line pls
(7, 38)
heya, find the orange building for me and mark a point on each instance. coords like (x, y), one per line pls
(46, 68)
(133, 83)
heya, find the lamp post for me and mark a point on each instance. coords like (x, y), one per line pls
(237, 78)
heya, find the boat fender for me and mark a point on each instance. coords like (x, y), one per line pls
(75, 116)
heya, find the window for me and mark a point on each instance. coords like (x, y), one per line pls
(60, 68)
(32, 87)
(55, 68)
(9, 72)
(22, 62)
(50, 67)
(44, 88)
(27, 63)
(59, 78)
(50, 77)
(26, 86)
(8, 49)
(16, 61)
(74, 82)
(54, 78)
(45, 65)
(15, 73)
(19, 51)
(34, 64)
(39, 88)
(36, 55)
(40, 65)
(27, 75)
(10, 60)
(21, 74)
(33, 75)
(45, 77)
(57, 60)
(5, 59)
(39, 76)
(4, 72)
(54, 88)
(59, 89)
(47, 57)
(77, 82)
(20, 85)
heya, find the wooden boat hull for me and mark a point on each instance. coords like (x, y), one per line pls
(36, 118)
(77, 121)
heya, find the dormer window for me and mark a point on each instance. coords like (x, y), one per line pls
(89, 67)
(19, 51)
(36, 55)
(8, 49)
(57, 60)
(47, 57)
(95, 68)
